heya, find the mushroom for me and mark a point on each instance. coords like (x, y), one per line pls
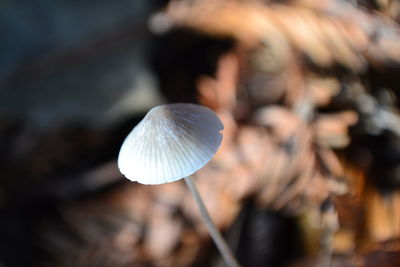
(172, 142)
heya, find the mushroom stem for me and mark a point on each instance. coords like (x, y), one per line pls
(219, 241)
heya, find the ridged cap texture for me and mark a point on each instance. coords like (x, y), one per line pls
(171, 142)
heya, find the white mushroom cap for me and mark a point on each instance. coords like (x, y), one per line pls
(171, 142)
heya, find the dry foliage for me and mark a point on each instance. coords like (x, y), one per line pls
(288, 93)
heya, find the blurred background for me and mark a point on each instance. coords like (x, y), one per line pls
(308, 173)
